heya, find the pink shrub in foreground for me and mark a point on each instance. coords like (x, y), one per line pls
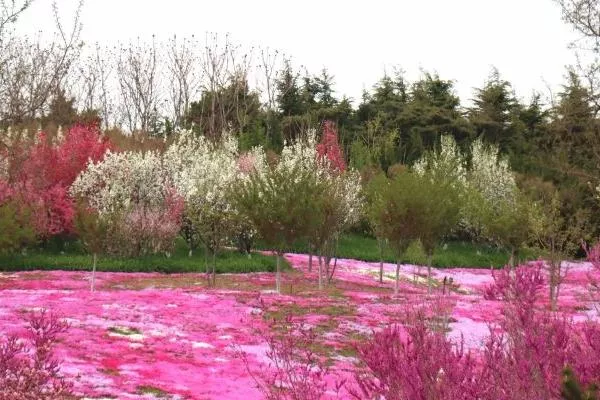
(517, 285)
(28, 371)
(523, 358)
(295, 370)
(526, 356)
(417, 363)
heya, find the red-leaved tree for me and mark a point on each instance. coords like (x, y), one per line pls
(38, 175)
(329, 148)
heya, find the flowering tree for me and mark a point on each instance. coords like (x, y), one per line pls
(340, 203)
(490, 173)
(445, 164)
(281, 201)
(37, 174)
(443, 174)
(204, 172)
(494, 209)
(135, 187)
(329, 148)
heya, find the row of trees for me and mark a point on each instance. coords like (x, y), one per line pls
(133, 203)
(211, 85)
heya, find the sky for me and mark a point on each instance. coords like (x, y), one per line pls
(461, 40)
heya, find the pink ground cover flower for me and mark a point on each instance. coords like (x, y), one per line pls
(169, 333)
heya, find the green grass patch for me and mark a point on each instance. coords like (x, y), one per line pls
(151, 390)
(123, 330)
(72, 258)
(451, 254)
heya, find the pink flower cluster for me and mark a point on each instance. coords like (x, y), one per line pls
(329, 148)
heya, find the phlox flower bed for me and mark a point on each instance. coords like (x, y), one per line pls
(147, 335)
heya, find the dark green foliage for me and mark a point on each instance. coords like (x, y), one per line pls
(495, 113)
(236, 107)
(571, 388)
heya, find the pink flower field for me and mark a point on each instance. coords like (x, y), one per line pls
(143, 336)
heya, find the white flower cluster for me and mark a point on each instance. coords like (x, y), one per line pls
(352, 194)
(121, 179)
(300, 153)
(199, 170)
(447, 163)
(490, 173)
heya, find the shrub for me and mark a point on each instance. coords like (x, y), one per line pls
(29, 371)
(414, 362)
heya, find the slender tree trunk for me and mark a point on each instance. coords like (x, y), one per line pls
(380, 242)
(206, 264)
(511, 261)
(95, 257)
(214, 267)
(278, 274)
(320, 272)
(558, 282)
(397, 277)
(310, 257)
(429, 262)
(333, 270)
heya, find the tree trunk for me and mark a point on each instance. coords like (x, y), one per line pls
(380, 242)
(320, 272)
(278, 274)
(429, 262)
(95, 257)
(310, 257)
(511, 261)
(397, 277)
(332, 270)
(214, 267)
(206, 264)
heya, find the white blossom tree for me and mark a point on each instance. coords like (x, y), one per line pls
(204, 172)
(134, 189)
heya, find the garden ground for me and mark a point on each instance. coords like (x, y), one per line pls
(147, 335)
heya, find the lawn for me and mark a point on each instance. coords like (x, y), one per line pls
(449, 255)
(71, 258)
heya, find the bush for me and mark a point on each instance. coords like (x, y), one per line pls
(29, 371)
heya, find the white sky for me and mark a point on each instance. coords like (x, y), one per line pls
(357, 40)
